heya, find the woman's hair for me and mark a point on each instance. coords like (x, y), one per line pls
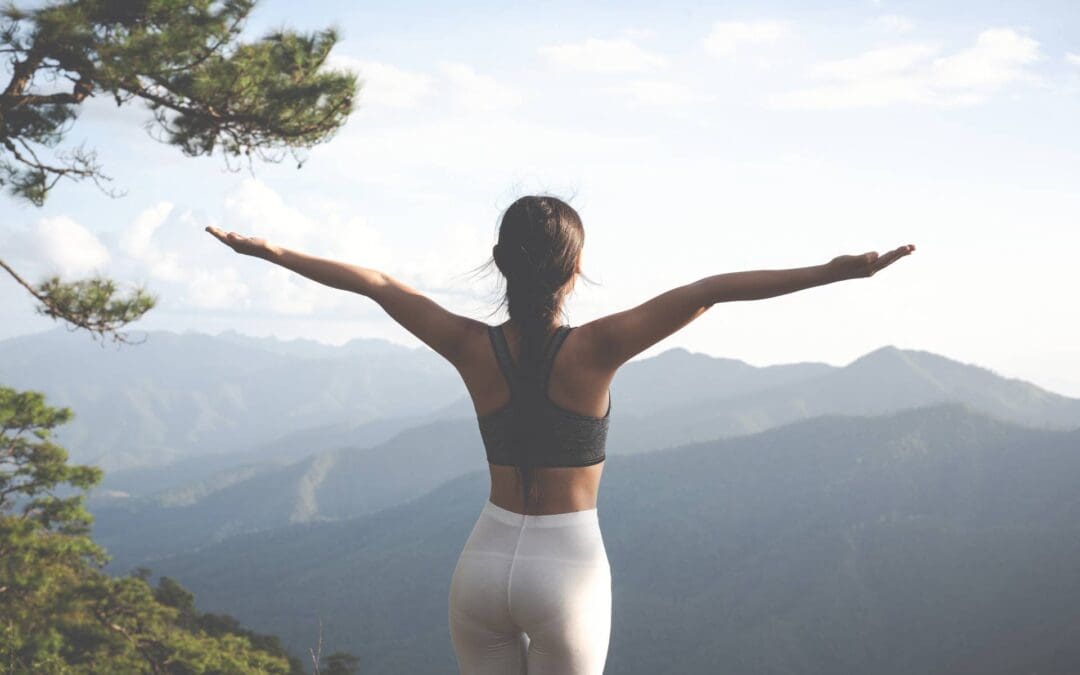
(538, 253)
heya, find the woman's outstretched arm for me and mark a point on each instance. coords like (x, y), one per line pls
(440, 329)
(618, 337)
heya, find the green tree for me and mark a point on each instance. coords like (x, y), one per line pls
(59, 612)
(206, 91)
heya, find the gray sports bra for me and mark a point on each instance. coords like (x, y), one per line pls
(564, 438)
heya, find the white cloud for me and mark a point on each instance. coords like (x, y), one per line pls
(68, 247)
(893, 23)
(343, 235)
(1074, 59)
(217, 289)
(476, 92)
(998, 58)
(398, 155)
(139, 244)
(256, 210)
(603, 56)
(196, 271)
(727, 36)
(285, 292)
(908, 74)
(383, 84)
(173, 256)
(659, 93)
(887, 61)
(137, 241)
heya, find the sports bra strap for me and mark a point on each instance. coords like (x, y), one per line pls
(502, 355)
(506, 363)
(549, 358)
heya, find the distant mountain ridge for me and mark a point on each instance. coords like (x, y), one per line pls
(306, 348)
(365, 468)
(182, 396)
(884, 380)
(179, 396)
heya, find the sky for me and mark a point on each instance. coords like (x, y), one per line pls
(693, 138)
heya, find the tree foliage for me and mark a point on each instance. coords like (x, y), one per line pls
(93, 304)
(205, 89)
(59, 612)
(183, 59)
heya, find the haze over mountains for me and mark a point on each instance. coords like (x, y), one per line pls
(239, 411)
(893, 515)
(178, 396)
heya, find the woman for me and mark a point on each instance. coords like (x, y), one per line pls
(531, 592)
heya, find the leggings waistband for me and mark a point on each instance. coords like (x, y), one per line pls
(550, 520)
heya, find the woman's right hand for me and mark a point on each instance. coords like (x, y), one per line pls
(253, 246)
(866, 264)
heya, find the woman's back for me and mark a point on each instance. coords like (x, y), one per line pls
(580, 382)
(576, 385)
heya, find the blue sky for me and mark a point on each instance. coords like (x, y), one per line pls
(694, 139)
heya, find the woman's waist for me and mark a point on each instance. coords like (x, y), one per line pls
(556, 490)
(587, 516)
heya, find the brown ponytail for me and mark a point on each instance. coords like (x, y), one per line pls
(539, 246)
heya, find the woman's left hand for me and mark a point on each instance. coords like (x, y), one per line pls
(253, 246)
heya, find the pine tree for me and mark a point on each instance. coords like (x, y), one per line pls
(206, 91)
(59, 612)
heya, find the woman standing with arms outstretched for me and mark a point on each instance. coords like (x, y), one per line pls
(531, 592)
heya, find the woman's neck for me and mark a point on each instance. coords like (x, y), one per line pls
(513, 331)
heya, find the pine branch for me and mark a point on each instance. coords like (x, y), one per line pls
(88, 304)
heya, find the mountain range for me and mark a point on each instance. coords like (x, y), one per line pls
(351, 469)
(177, 396)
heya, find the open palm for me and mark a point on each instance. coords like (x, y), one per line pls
(867, 264)
(254, 246)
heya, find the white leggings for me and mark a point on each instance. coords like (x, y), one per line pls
(532, 594)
